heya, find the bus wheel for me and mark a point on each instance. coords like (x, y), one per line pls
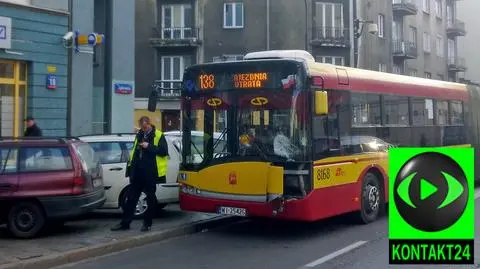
(371, 200)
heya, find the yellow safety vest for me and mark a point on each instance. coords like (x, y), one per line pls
(162, 162)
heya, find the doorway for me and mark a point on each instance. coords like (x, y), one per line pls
(13, 96)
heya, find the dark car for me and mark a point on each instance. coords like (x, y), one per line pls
(47, 181)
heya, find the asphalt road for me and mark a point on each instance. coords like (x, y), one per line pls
(334, 243)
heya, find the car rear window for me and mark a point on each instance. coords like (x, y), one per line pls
(40, 159)
(87, 155)
(8, 160)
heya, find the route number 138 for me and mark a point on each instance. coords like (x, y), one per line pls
(207, 82)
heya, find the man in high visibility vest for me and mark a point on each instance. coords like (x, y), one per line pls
(146, 166)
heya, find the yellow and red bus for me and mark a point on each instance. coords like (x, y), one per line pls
(279, 135)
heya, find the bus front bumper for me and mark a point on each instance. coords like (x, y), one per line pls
(292, 210)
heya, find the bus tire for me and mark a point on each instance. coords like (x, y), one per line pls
(371, 200)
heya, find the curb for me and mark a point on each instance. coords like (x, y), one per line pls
(94, 251)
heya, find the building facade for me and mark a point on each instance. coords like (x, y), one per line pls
(68, 91)
(33, 67)
(173, 34)
(415, 38)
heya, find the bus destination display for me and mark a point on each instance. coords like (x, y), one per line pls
(233, 81)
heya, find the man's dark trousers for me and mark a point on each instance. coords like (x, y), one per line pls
(138, 184)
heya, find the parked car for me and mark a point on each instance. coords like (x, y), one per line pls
(114, 151)
(47, 181)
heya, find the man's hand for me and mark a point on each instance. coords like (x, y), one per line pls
(144, 145)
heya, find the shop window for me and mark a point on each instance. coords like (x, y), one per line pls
(366, 109)
(441, 112)
(396, 110)
(456, 112)
(422, 111)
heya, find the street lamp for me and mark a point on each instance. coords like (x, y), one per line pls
(358, 26)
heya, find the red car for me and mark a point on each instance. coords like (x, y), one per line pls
(47, 181)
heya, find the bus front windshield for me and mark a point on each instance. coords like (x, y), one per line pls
(263, 125)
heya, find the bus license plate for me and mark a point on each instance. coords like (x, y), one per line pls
(234, 211)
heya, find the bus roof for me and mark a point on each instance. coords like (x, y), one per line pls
(347, 78)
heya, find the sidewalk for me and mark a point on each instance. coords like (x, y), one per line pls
(94, 231)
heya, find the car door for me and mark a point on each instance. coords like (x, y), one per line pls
(113, 165)
(8, 171)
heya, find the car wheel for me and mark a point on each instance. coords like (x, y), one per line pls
(372, 199)
(26, 219)
(141, 206)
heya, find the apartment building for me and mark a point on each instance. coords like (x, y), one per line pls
(173, 34)
(468, 46)
(415, 38)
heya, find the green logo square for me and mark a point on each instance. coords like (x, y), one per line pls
(431, 194)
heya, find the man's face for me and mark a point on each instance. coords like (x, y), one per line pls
(30, 123)
(144, 125)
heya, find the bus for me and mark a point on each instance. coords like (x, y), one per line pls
(305, 141)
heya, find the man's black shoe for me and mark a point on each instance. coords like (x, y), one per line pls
(146, 228)
(120, 227)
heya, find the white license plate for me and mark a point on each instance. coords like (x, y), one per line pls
(233, 211)
(97, 183)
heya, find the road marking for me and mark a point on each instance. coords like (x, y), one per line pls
(333, 255)
(477, 194)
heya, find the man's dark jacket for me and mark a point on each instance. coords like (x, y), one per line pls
(33, 131)
(143, 164)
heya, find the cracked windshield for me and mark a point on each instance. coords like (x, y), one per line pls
(240, 134)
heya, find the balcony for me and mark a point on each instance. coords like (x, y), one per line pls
(456, 28)
(404, 7)
(404, 49)
(167, 89)
(457, 64)
(330, 37)
(175, 37)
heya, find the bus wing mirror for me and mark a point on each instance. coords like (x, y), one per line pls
(152, 101)
(321, 103)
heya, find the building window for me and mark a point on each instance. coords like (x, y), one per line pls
(422, 111)
(328, 20)
(451, 49)
(449, 14)
(439, 46)
(413, 35)
(397, 30)
(366, 109)
(177, 22)
(233, 15)
(440, 77)
(426, 6)
(438, 8)
(331, 60)
(397, 69)
(228, 58)
(456, 112)
(426, 42)
(382, 67)
(13, 94)
(381, 24)
(441, 112)
(172, 70)
(413, 73)
(396, 110)
(428, 75)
